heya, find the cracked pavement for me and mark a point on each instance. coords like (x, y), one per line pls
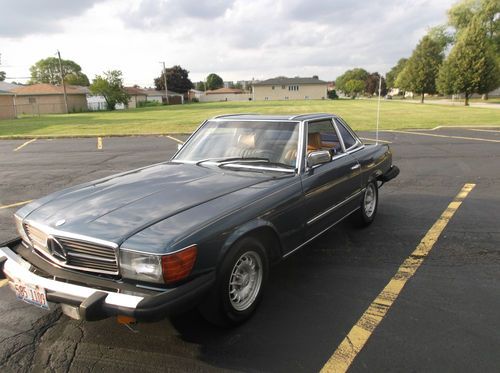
(445, 319)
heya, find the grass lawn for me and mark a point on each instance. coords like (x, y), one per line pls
(360, 114)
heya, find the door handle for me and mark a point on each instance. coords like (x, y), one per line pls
(355, 167)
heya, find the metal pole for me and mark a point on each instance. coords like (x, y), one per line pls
(378, 106)
(62, 80)
(165, 80)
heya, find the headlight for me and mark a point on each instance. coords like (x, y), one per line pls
(20, 228)
(169, 268)
(139, 266)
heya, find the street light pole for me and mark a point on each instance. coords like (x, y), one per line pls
(165, 80)
(62, 80)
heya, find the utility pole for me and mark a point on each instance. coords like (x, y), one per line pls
(165, 80)
(62, 80)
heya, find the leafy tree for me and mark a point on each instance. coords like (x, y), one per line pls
(332, 95)
(214, 81)
(354, 87)
(461, 14)
(471, 66)
(177, 80)
(47, 71)
(200, 86)
(110, 86)
(420, 72)
(390, 77)
(356, 74)
(441, 35)
(2, 76)
(371, 85)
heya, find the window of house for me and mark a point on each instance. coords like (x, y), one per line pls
(266, 98)
(321, 135)
(283, 87)
(294, 87)
(32, 100)
(349, 140)
(272, 88)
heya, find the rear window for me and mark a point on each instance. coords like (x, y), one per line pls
(349, 140)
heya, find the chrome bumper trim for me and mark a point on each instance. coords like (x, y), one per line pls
(16, 267)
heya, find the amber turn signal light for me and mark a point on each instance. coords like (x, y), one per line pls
(178, 266)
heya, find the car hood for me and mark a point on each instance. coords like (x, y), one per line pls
(117, 207)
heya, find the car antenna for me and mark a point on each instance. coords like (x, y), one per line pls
(378, 107)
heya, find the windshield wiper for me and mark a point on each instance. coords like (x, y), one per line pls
(231, 159)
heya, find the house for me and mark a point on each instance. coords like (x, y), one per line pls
(137, 95)
(297, 88)
(195, 94)
(174, 98)
(225, 94)
(39, 99)
(7, 107)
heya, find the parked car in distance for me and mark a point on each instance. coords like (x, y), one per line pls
(202, 229)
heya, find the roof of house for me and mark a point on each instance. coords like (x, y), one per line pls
(7, 87)
(287, 81)
(47, 89)
(224, 91)
(6, 93)
(135, 91)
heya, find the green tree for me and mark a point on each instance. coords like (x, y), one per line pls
(420, 72)
(2, 76)
(372, 82)
(47, 71)
(354, 87)
(390, 77)
(200, 86)
(471, 66)
(177, 80)
(356, 74)
(214, 81)
(110, 86)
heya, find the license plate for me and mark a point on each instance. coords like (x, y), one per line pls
(31, 294)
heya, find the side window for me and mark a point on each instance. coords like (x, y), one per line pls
(349, 140)
(321, 135)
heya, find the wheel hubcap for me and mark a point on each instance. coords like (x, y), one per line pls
(370, 201)
(245, 281)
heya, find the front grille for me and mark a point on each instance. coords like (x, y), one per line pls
(89, 256)
(73, 253)
(37, 237)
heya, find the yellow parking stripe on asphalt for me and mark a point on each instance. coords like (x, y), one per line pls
(3, 282)
(446, 136)
(357, 337)
(176, 140)
(15, 204)
(99, 143)
(375, 140)
(23, 145)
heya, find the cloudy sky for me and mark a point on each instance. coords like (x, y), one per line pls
(237, 39)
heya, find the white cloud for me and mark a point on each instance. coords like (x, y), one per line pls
(235, 38)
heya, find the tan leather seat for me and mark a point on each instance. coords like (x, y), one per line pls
(313, 141)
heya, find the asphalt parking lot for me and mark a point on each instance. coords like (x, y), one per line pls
(445, 318)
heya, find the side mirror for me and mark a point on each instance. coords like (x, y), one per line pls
(318, 157)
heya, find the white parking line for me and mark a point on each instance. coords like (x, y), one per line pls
(3, 282)
(23, 145)
(479, 130)
(176, 140)
(99, 143)
(445, 136)
(15, 204)
(375, 140)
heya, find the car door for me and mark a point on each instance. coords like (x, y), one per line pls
(328, 188)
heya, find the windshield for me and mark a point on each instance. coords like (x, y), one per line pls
(243, 141)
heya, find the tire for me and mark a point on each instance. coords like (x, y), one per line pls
(239, 286)
(369, 204)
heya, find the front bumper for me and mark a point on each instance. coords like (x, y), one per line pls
(96, 304)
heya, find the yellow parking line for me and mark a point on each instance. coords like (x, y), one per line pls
(480, 130)
(99, 143)
(445, 136)
(173, 138)
(15, 204)
(357, 337)
(23, 145)
(368, 139)
(3, 282)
